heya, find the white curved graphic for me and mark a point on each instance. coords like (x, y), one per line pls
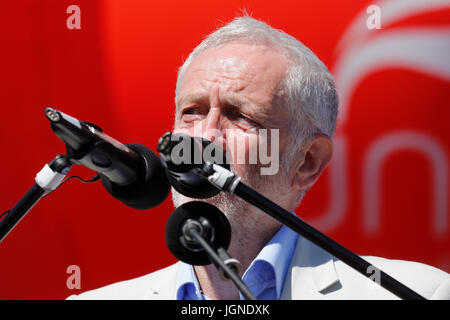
(362, 51)
(372, 172)
(392, 11)
(426, 50)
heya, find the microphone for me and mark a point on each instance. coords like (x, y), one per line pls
(185, 159)
(198, 233)
(131, 173)
(208, 221)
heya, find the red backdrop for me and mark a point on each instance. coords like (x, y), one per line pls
(384, 194)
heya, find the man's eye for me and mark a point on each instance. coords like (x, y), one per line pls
(191, 114)
(245, 122)
(240, 119)
(189, 111)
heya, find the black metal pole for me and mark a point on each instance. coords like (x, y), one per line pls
(20, 210)
(326, 243)
(218, 262)
(60, 165)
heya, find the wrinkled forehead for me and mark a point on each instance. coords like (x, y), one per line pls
(237, 67)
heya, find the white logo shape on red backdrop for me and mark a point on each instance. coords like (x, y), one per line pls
(360, 53)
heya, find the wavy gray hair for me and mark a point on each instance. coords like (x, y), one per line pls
(309, 88)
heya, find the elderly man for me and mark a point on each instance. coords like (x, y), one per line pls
(244, 77)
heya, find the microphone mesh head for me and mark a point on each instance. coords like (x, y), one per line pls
(183, 155)
(195, 210)
(152, 186)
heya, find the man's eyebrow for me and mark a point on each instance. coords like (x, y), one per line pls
(191, 97)
(200, 97)
(238, 103)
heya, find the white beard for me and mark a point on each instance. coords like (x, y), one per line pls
(245, 219)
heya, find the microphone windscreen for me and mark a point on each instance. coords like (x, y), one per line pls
(196, 152)
(150, 189)
(195, 210)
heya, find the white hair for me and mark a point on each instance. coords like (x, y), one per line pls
(310, 93)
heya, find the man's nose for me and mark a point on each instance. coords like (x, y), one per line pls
(211, 126)
(213, 129)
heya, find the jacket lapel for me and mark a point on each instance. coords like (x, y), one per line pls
(164, 284)
(310, 273)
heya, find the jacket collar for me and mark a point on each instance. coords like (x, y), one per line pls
(311, 272)
(311, 275)
(163, 284)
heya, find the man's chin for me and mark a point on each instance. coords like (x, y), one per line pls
(240, 213)
(225, 202)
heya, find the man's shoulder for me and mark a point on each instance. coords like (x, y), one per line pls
(158, 285)
(428, 281)
(316, 274)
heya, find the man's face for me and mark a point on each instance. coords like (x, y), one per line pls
(227, 95)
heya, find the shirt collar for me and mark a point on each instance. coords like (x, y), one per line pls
(187, 284)
(277, 254)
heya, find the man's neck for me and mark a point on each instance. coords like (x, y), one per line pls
(244, 248)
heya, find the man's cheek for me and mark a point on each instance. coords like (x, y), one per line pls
(241, 148)
(186, 131)
(269, 151)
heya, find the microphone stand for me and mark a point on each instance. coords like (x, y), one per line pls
(47, 180)
(220, 259)
(225, 180)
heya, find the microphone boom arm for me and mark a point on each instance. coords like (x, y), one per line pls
(225, 180)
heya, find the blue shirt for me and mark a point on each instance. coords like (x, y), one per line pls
(264, 277)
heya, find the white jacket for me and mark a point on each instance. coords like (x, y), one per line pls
(312, 274)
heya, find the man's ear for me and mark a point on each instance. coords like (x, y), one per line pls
(312, 159)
